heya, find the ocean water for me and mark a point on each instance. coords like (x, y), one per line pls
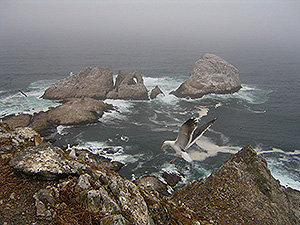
(264, 113)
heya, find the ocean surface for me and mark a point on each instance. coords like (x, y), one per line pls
(264, 113)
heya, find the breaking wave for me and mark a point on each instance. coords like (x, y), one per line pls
(16, 102)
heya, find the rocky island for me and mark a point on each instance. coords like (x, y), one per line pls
(211, 74)
(42, 184)
(98, 83)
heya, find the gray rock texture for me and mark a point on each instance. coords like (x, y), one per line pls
(211, 74)
(242, 191)
(129, 86)
(94, 82)
(98, 83)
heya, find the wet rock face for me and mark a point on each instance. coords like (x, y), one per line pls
(241, 191)
(155, 92)
(171, 178)
(93, 82)
(211, 74)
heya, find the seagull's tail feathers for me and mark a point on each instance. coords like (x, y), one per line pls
(186, 156)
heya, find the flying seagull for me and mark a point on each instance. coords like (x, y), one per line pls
(188, 134)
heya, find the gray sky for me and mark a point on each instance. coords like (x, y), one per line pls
(277, 21)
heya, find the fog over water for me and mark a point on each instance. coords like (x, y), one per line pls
(244, 21)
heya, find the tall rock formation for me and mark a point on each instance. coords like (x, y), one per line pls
(211, 74)
(129, 86)
(94, 82)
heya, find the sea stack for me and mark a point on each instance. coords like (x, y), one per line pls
(211, 74)
(94, 82)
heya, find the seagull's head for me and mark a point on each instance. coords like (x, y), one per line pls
(166, 143)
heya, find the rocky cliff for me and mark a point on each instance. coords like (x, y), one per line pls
(242, 191)
(43, 184)
(211, 74)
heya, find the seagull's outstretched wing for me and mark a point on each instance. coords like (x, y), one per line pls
(184, 136)
(198, 132)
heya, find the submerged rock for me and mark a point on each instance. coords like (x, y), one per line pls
(94, 82)
(242, 191)
(211, 74)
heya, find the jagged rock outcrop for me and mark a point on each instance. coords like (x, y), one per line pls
(129, 86)
(155, 91)
(94, 82)
(242, 191)
(98, 83)
(74, 111)
(211, 74)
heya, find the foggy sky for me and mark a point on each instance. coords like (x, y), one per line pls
(277, 21)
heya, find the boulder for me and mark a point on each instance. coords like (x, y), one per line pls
(171, 178)
(242, 191)
(93, 82)
(155, 91)
(129, 86)
(211, 74)
(74, 111)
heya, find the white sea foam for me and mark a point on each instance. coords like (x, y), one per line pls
(115, 153)
(277, 150)
(210, 149)
(62, 129)
(203, 111)
(123, 108)
(248, 93)
(285, 177)
(17, 103)
(166, 84)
